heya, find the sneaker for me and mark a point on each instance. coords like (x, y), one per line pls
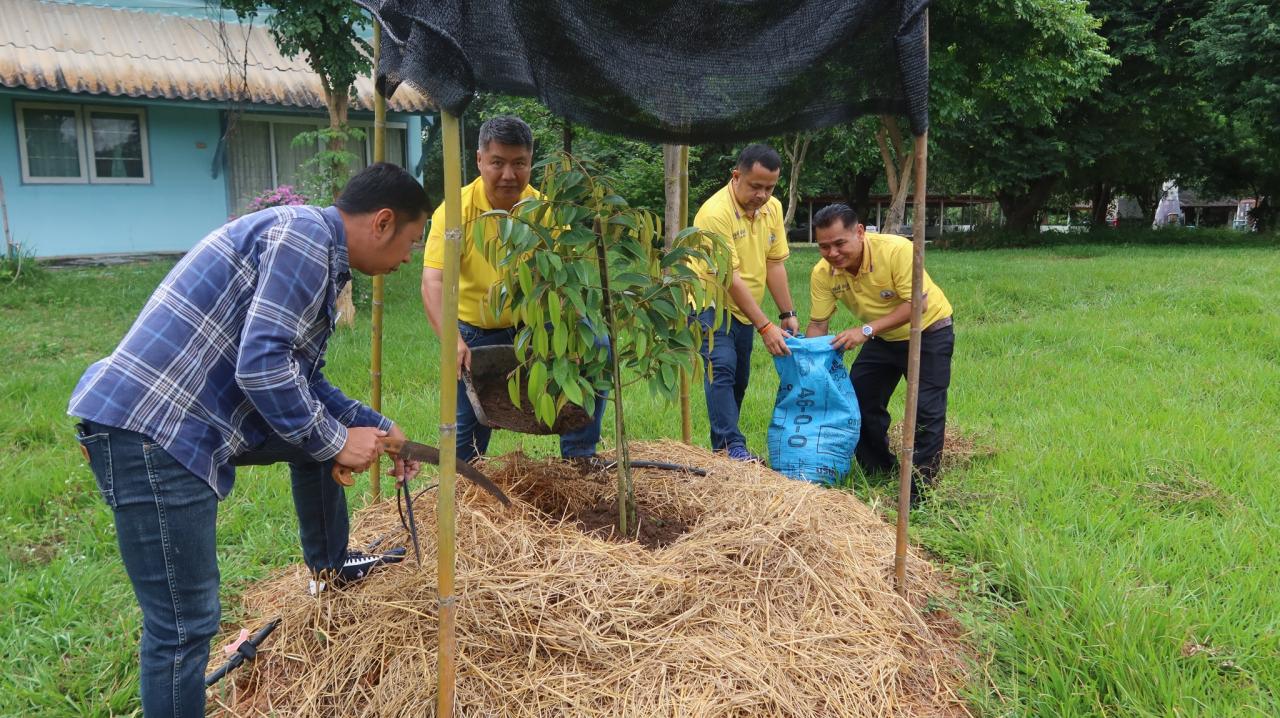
(589, 464)
(740, 453)
(357, 566)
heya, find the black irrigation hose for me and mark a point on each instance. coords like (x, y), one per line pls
(663, 465)
(247, 651)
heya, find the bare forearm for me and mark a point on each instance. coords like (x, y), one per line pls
(816, 329)
(775, 279)
(900, 315)
(432, 293)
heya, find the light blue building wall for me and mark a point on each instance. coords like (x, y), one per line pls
(182, 201)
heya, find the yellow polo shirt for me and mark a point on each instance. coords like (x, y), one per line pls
(883, 282)
(476, 275)
(754, 241)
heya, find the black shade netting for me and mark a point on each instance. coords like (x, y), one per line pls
(679, 71)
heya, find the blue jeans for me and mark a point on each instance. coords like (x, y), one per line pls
(728, 371)
(473, 437)
(165, 519)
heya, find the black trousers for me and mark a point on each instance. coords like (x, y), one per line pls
(875, 374)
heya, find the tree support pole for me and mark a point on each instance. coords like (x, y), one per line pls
(379, 281)
(675, 162)
(445, 528)
(913, 367)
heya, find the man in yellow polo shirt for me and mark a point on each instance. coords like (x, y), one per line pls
(871, 275)
(505, 160)
(749, 217)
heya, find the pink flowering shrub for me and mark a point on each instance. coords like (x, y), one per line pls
(280, 196)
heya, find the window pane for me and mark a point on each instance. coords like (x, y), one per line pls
(359, 151)
(248, 162)
(289, 159)
(395, 146)
(117, 144)
(52, 142)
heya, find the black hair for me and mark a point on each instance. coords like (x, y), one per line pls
(383, 185)
(831, 214)
(763, 155)
(505, 130)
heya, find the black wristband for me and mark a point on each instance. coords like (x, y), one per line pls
(787, 315)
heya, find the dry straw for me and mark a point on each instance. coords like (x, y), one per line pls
(778, 601)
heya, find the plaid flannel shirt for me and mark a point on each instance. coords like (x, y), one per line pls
(229, 348)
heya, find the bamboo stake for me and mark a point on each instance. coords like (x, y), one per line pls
(686, 423)
(446, 529)
(920, 150)
(379, 282)
(913, 367)
(675, 164)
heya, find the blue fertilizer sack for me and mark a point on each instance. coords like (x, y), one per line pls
(816, 420)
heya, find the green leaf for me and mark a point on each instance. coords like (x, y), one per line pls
(553, 308)
(623, 220)
(560, 339)
(546, 409)
(525, 277)
(513, 387)
(572, 391)
(540, 341)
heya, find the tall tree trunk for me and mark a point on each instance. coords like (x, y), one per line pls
(860, 197)
(795, 150)
(897, 158)
(1022, 206)
(566, 136)
(1101, 199)
(338, 102)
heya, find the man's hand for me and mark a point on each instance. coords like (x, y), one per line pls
(464, 358)
(403, 470)
(791, 325)
(361, 449)
(774, 340)
(849, 339)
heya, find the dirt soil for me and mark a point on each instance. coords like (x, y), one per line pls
(502, 414)
(601, 521)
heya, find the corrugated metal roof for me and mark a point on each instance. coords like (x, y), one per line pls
(103, 51)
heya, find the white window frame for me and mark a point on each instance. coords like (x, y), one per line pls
(320, 123)
(23, 155)
(84, 142)
(142, 137)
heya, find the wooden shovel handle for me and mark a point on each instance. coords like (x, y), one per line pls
(345, 475)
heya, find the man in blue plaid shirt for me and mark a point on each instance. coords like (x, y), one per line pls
(223, 368)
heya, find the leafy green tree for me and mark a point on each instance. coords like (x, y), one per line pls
(1236, 51)
(1141, 127)
(327, 33)
(1003, 73)
(580, 262)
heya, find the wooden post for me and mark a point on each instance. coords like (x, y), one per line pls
(379, 281)
(913, 368)
(675, 163)
(445, 529)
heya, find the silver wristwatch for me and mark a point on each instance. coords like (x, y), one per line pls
(867, 331)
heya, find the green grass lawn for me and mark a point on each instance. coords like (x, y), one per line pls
(1117, 551)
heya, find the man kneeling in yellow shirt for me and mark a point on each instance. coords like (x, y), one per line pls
(871, 275)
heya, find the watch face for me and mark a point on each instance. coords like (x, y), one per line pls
(866, 330)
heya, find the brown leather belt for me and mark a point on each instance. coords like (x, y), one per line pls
(942, 323)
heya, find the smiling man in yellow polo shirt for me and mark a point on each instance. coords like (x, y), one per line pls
(871, 275)
(745, 213)
(505, 161)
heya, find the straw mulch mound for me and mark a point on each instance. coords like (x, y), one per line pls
(777, 601)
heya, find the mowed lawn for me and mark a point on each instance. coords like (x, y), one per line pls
(1117, 546)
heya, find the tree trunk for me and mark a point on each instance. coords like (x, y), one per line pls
(860, 195)
(338, 102)
(1102, 192)
(1022, 207)
(897, 161)
(566, 137)
(796, 149)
